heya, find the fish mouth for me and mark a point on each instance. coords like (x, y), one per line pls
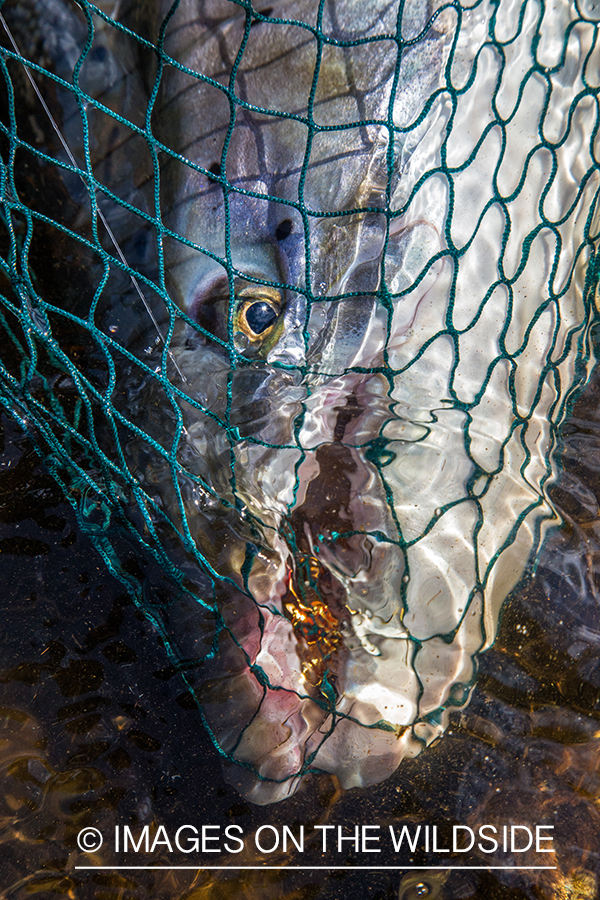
(347, 669)
(316, 644)
(315, 606)
(326, 552)
(331, 648)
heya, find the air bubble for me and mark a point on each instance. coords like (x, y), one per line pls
(240, 341)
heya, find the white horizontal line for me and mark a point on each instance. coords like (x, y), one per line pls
(328, 868)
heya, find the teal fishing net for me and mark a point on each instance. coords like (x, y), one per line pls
(294, 300)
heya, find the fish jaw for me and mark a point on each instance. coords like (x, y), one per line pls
(322, 673)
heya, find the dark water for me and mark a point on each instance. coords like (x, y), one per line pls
(98, 730)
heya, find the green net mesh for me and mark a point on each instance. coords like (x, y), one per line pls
(294, 300)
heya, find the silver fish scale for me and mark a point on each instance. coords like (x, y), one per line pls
(412, 191)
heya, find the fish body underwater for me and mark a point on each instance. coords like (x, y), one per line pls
(378, 224)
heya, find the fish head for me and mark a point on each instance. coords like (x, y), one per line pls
(257, 190)
(273, 241)
(363, 470)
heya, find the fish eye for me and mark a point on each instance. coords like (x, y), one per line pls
(258, 317)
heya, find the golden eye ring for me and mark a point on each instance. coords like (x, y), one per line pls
(258, 317)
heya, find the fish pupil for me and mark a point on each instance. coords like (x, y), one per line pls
(260, 316)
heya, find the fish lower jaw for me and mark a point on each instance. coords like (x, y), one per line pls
(313, 699)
